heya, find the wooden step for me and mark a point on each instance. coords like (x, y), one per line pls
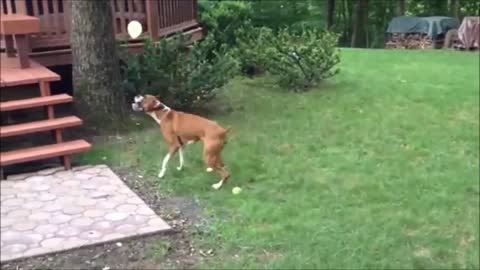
(34, 102)
(37, 126)
(13, 74)
(42, 152)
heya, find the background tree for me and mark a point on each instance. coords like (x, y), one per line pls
(281, 13)
(95, 64)
(399, 7)
(329, 13)
(454, 6)
(359, 38)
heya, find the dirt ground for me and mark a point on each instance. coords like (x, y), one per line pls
(171, 250)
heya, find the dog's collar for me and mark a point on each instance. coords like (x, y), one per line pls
(165, 107)
(153, 114)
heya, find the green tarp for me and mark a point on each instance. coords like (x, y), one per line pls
(432, 26)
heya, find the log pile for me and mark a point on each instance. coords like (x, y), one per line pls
(409, 41)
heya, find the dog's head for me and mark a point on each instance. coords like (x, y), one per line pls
(146, 103)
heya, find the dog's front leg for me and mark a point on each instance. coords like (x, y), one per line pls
(172, 149)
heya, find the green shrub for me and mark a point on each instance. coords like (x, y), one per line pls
(221, 19)
(301, 59)
(251, 47)
(184, 78)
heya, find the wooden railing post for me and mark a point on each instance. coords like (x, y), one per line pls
(21, 6)
(67, 16)
(151, 8)
(195, 10)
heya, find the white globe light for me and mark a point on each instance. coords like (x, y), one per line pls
(134, 29)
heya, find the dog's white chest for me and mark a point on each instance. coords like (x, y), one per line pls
(155, 117)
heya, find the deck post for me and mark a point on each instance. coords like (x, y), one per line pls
(9, 45)
(151, 8)
(21, 8)
(23, 50)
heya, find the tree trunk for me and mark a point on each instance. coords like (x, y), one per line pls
(436, 8)
(454, 7)
(359, 23)
(330, 11)
(399, 7)
(345, 23)
(95, 64)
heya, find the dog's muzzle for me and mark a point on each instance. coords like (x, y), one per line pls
(136, 107)
(137, 104)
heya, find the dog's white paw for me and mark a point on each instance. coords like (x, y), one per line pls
(209, 170)
(161, 174)
(179, 168)
(217, 185)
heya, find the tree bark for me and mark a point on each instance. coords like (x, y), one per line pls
(359, 23)
(399, 7)
(346, 21)
(95, 64)
(454, 6)
(330, 11)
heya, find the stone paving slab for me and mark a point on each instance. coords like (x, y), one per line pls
(55, 210)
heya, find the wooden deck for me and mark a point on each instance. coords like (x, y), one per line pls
(159, 18)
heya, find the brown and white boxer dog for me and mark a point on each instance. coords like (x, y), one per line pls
(179, 128)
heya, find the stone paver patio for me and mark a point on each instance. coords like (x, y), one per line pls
(55, 210)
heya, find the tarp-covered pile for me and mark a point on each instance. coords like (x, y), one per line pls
(469, 33)
(419, 32)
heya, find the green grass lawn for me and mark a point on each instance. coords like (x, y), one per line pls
(376, 168)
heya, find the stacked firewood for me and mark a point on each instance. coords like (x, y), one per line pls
(409, 41)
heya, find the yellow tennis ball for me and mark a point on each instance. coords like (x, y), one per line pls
(236, 190)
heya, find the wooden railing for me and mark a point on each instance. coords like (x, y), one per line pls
(158, 17)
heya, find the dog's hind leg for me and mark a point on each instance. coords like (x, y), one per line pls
(180, 156)
(224, 174)
(215, 162)
(220, 169)
(164, 165)
(209, 154)
(180, 152)
(212, 157)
